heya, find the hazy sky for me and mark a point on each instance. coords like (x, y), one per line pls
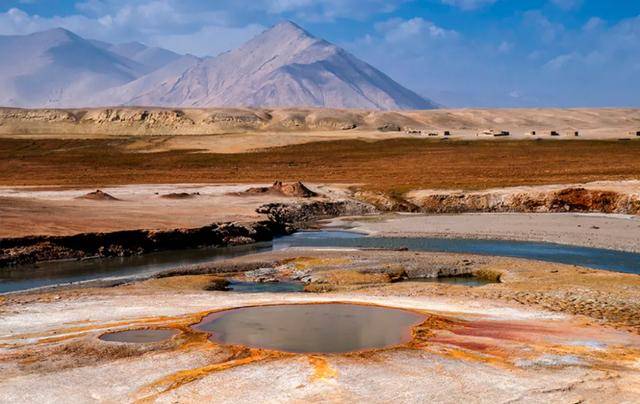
(457, 52)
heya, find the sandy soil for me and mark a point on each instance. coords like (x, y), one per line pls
(394, 165)
(495, 343)
(248, 142)
(618, 232)
(54, 211)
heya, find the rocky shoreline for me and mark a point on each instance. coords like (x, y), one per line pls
(282, 219)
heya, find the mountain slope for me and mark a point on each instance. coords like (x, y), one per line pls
(57, 67)
(137, 92)
(285, 66)
(151, 57)
(282, 67)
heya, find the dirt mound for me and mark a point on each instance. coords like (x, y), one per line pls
(294, 190)
(180, 195)
(302, 213)
(98, 195)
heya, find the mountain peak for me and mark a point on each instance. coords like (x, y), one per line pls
(57, 33)
(283, 66)
(289, 29)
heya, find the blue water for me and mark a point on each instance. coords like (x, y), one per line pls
(596, 258)
(67, 272)
(53, 273)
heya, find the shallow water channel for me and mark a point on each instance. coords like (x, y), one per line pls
(597, 258)
(312, 328)
(112, 269)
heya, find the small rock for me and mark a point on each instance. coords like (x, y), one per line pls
(262, 275)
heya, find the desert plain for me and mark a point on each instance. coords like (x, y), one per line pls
(102, 185)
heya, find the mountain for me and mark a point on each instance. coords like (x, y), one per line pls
(151, 57)
(148, 89)
(284, 66)
(56, 67)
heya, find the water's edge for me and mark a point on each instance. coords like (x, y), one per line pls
(122, 269)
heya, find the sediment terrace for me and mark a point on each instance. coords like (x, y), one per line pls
(603, 197)
(593, 123)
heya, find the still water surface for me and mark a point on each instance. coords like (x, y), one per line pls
(139, 336)
(317, 328)
(59, 273)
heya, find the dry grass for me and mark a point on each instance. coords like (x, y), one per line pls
(391, 165)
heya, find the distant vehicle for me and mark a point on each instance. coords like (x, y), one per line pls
(494, 133)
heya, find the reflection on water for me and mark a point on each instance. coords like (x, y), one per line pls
(139, 336)
(318, 328)
(64, 272)
(302, 237)
(597, 258)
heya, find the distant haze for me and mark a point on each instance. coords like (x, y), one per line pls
(282, 67)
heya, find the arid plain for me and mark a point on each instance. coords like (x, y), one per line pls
(101, 185)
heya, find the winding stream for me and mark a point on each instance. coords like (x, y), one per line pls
(113, 269)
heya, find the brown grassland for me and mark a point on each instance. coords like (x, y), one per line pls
(390, 165)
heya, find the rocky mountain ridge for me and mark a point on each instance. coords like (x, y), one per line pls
(285, 66)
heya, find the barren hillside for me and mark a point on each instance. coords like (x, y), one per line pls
(594, 123)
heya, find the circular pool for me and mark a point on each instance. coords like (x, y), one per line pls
(312, 328)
